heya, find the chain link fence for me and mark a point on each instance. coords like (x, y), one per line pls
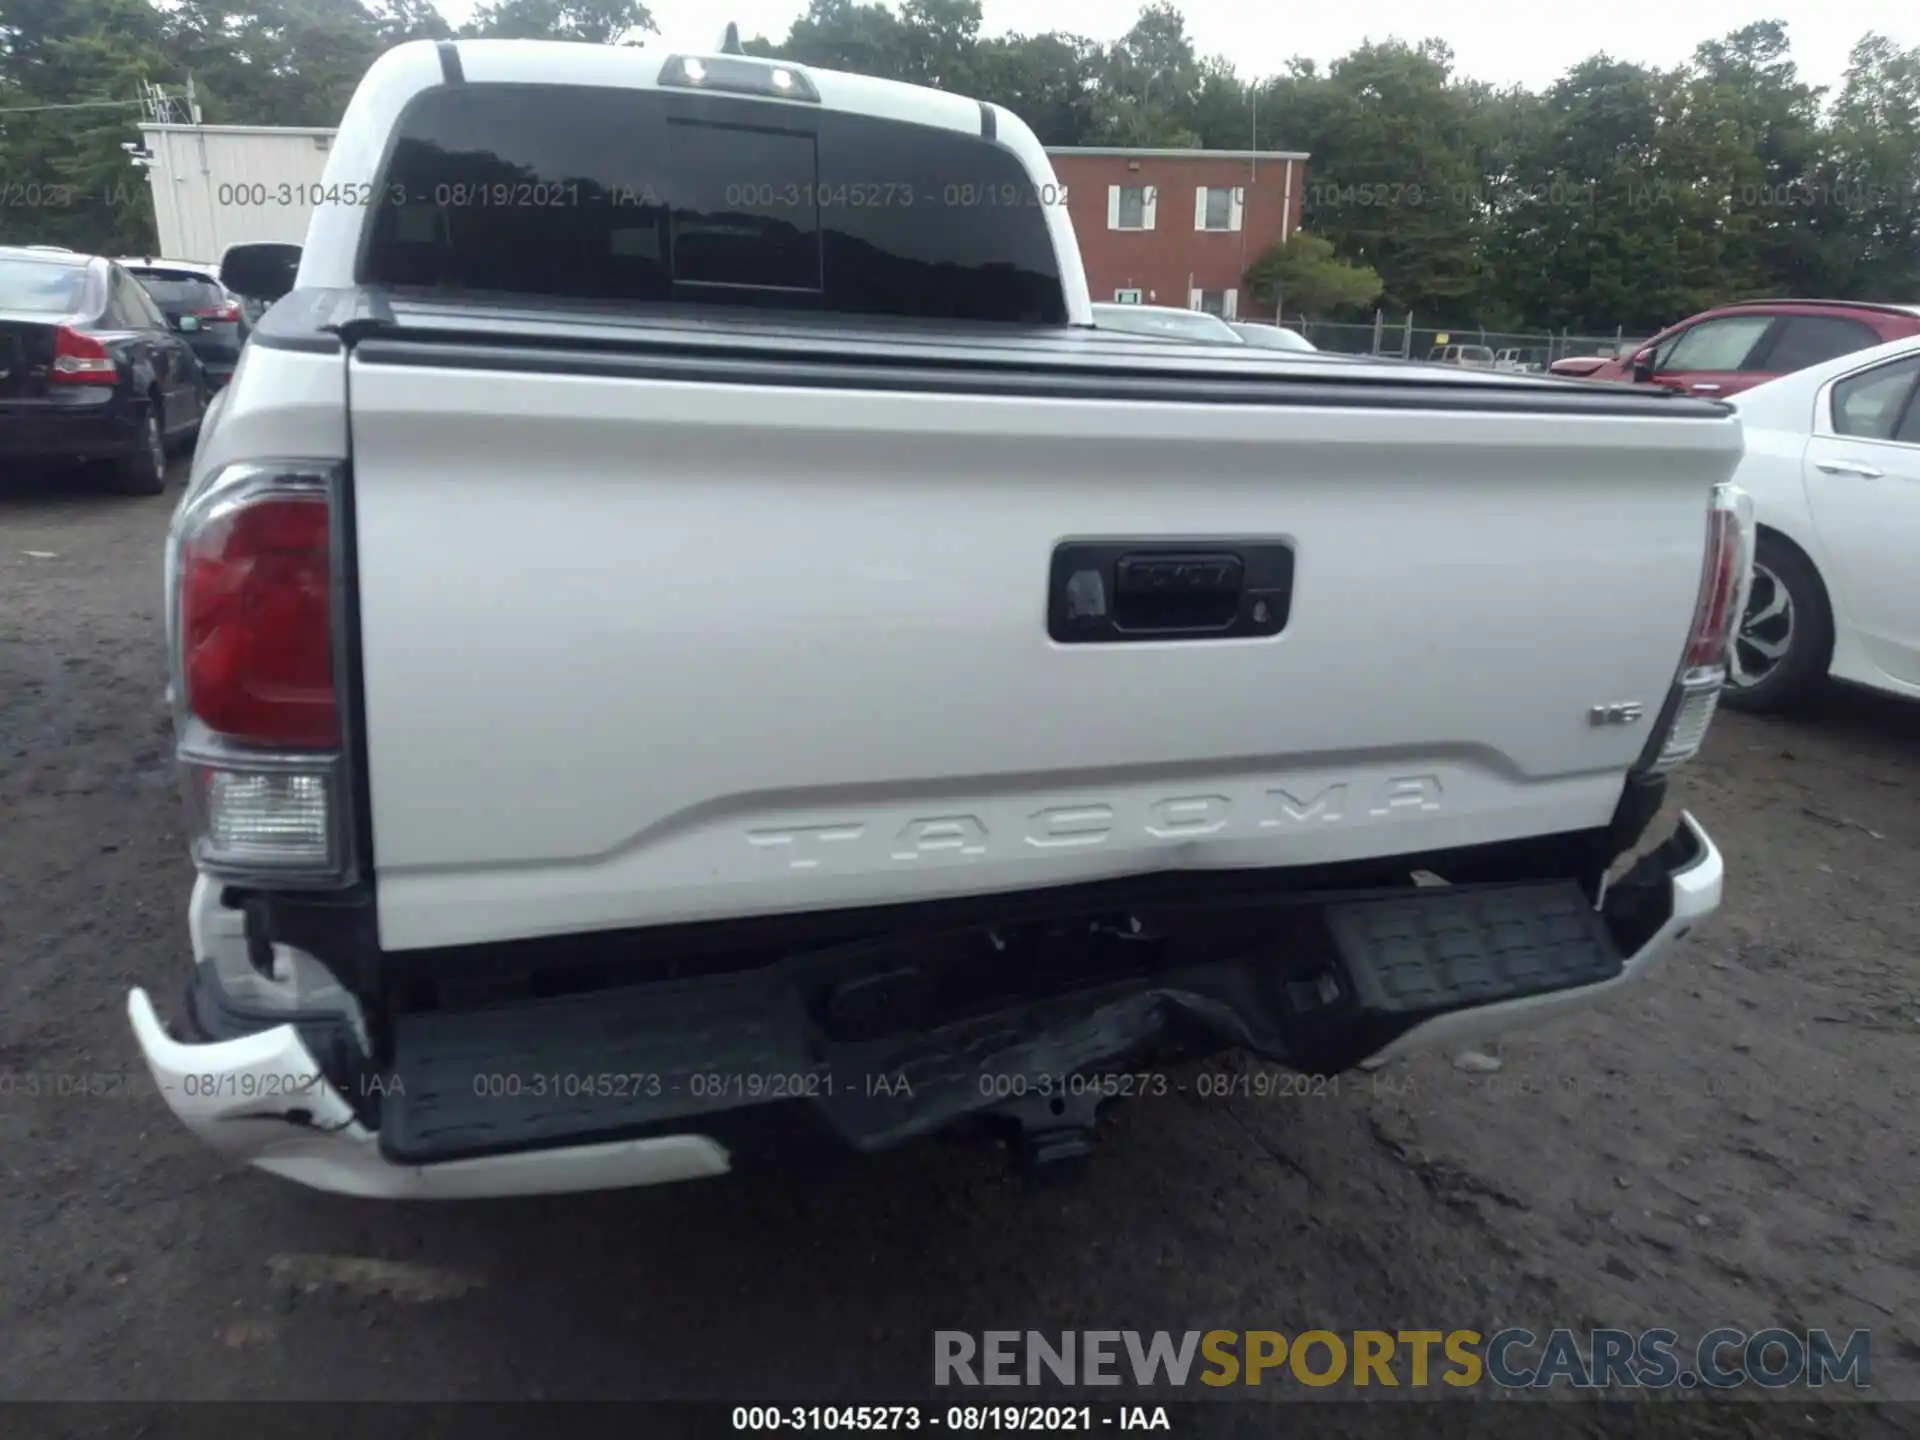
(1406, 339)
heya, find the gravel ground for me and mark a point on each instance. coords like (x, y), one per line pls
(1732, 1143)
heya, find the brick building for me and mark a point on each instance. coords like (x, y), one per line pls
(1178, 227)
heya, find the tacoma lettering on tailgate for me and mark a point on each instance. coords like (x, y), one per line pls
(1084, 824)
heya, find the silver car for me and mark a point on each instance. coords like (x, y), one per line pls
(1274, 337)
(1165, 323)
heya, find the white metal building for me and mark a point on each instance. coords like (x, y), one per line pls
(217, 185)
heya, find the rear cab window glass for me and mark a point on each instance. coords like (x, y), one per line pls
(600, 194)
(41, 287)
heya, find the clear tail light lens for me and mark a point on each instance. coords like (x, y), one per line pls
(262, 817)
(251, 605)
(1698, 699)
(1725, 578)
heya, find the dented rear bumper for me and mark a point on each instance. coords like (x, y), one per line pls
(685, 1078)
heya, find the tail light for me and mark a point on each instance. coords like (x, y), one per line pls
(1724, 580)
(229, 311)
(252, 601)
(80, 359)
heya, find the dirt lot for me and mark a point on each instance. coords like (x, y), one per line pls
(1734, 1143)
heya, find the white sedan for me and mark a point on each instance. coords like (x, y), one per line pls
(1833, 466)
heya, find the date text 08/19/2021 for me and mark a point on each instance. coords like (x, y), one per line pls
(960, 1419)
(820, 1084)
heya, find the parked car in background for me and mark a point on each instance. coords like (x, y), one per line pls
(1524, 361)
(181, 288)
(1833, 465)
(1732, 348)
(1478, 357)
(1272, 337)
(1582, 366)
(1165, 322)
(90, 369)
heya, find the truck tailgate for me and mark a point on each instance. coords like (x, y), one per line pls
(640, 650)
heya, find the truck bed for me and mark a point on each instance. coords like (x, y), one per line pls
(665, 619)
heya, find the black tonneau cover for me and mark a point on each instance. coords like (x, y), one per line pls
(865, 353)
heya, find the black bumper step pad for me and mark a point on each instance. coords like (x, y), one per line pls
(1444, 949)
(1318, 987)
(513, 1076)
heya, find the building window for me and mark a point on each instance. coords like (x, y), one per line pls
(1224, 303)
(1130, 207)
(1126, 297)
(1217, 207)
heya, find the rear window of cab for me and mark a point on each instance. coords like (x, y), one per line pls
(583, 193)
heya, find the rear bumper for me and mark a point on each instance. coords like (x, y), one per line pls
(262, 1101)
(661, 1082)
(102, 430)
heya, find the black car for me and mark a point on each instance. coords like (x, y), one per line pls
(90, 369)
(182, 289)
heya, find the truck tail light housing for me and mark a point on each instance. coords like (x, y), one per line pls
(1725, 578)
(253, 619)
(80, 359)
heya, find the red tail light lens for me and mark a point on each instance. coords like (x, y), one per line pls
(220, 312)
(1703, 667)
(256, 622)
(81, 359)
(1720, 587)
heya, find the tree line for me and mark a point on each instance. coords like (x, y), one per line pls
(1620, 195)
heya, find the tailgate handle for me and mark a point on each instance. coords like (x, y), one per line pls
(1146, 590)
(1178, 593)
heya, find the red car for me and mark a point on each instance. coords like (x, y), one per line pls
(1735, 347)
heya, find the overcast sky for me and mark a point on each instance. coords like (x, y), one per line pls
(1527, 42)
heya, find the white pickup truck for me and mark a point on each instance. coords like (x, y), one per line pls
(686, 643)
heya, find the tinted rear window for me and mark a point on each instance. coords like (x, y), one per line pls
(576, 193)
(41, 287)
(180, 290)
